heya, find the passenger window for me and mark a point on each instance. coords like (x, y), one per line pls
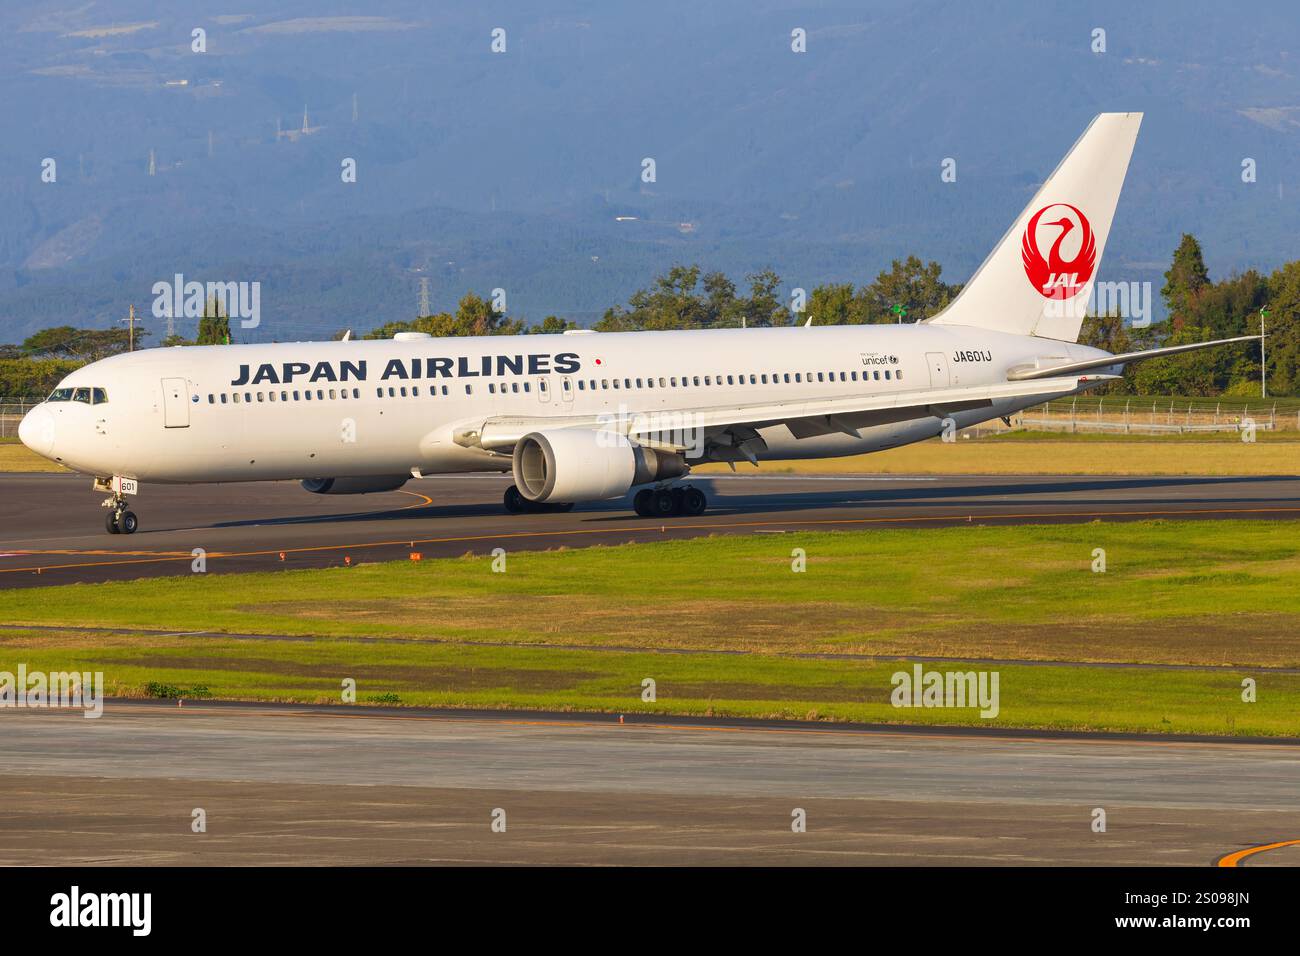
(223, 398)
(898, 375)
(886, 374)
(469, 389)
(271, 395)
(661, 382)
(492, 388)
(581, 386)
(236, 397)
(333, 393)
(876, 375)
(415, 390)
(514, 387)
(211, 399)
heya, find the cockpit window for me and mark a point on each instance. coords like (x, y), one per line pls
(100, 395)
(81, 395)
(60, 395)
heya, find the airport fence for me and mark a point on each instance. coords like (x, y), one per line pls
(1145, 415)
(12, 411)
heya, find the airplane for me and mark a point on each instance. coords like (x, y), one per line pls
(587, 416)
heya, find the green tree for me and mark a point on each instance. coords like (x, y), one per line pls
(1282, 330)
(916, 286)
(214, 327)
(552, 324)
(78, 345)
(474, 316)
(1186, 279)
(32, 378)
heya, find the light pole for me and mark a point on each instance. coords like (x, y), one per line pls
(1263, 365)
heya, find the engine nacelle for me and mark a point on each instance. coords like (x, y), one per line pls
(361, 485)
(582, 464)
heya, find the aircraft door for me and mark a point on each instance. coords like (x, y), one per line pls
(938, 363)
(176, 403)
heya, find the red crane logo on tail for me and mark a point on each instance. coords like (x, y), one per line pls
(1054, 276)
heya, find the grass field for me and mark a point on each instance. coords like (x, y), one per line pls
(1052, 453)
(15, 456)
(724, 626)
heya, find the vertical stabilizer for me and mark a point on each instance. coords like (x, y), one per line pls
(1039, 278)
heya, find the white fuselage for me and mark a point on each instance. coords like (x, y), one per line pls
(385, 407)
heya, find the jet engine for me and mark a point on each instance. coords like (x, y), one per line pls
(582, 464)
(361, 485)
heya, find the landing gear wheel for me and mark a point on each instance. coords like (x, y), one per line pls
(515, 502)
(663, 503)
(127, 522)
(110, 524)
(641, 503)
(562, 507)
(694, 502)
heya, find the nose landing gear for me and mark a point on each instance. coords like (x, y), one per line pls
(120, 519)
(121, 522)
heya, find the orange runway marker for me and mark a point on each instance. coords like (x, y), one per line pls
(1234, 859)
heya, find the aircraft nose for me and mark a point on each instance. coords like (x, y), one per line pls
(36, 431)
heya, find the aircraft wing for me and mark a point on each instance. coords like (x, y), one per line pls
(737, 424)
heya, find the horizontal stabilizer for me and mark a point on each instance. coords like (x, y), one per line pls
(1026, 373)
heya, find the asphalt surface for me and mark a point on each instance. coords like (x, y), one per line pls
(51, 526)
(329, 786)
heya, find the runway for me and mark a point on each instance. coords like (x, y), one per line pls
(328, 786)
(51, 526)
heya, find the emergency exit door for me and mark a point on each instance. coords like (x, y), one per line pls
(176, 403)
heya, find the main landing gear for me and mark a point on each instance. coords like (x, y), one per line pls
(667, 502)
(517, 504)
